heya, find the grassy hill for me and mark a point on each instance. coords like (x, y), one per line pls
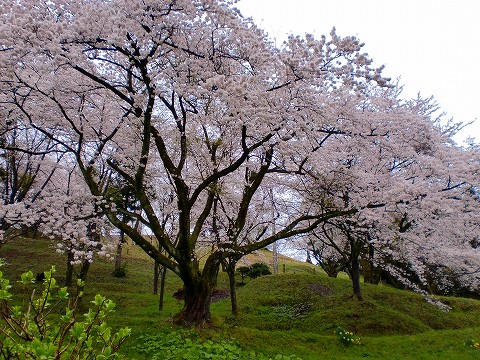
(294, 312)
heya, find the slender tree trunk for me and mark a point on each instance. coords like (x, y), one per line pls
(309, 258)
(163, 276)
(93, 234)
(355, 274)
(118, 255)
(371, 274)
(354, 268)
(156, 275)
(233, 295)
(69, 272)
(82, 276)
(230, 264)
(84, 270)
(159, 273)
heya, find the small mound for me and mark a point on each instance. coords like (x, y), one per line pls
(318, 304)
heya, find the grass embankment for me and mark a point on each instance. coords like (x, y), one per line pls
(295, 312)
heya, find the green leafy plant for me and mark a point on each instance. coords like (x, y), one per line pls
(34, 328)
(346, 337)
(188, 346)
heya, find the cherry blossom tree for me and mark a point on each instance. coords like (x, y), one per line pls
(417, 196)
(68, 214)
(189, 99)
(24, 175)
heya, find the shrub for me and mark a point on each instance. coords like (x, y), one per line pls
(258, 269)
(253, 271)
(31, 329)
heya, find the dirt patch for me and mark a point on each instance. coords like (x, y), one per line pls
(220, 295)
(320, 290)
(217, 294)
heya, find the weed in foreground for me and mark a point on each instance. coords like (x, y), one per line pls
(29, 329)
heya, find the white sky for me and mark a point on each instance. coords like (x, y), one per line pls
(433, 45)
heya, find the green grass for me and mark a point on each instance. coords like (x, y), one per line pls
(295, 312)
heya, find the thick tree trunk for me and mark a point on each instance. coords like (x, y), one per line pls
(198, 288)
(196, 309)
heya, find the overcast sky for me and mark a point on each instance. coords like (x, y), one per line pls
(433, 45)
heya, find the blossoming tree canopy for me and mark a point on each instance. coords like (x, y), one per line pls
(212, 128)
(422, 186)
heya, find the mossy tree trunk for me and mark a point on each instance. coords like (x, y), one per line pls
(198, 287)
(230, 265)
